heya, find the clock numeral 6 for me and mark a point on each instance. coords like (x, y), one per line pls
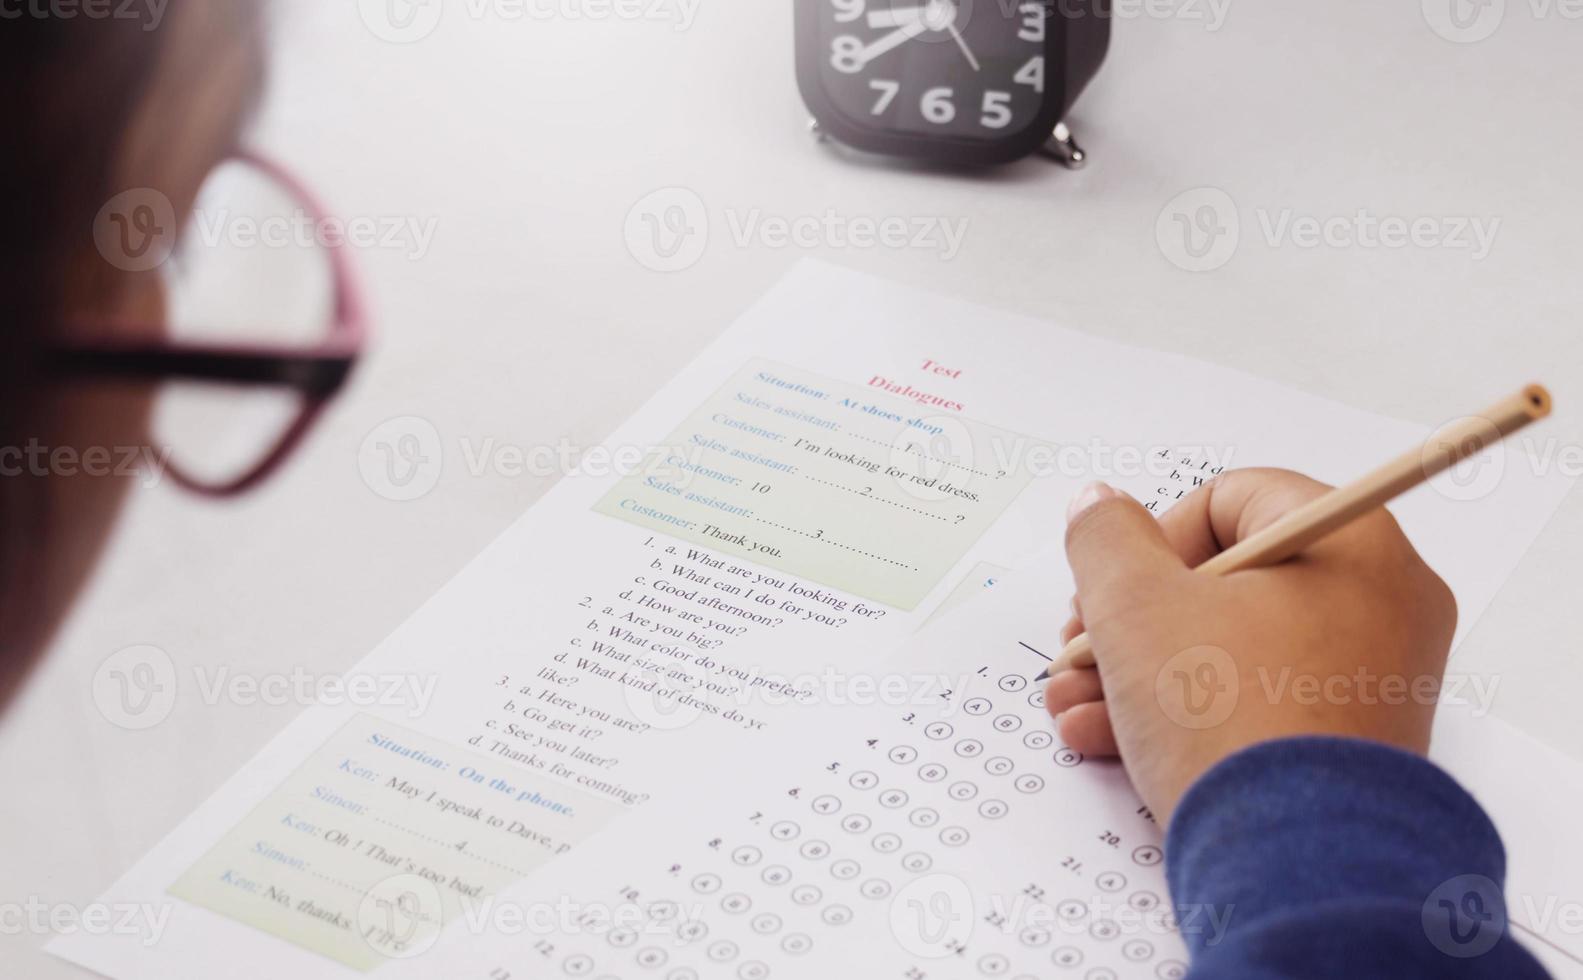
(846, 11)
(937, 106)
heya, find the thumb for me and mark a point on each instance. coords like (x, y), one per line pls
(1116, 549)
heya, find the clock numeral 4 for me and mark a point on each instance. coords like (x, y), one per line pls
(1032, 74)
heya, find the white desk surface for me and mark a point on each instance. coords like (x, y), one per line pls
(529, 320)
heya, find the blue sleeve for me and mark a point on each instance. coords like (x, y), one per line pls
(1326, 857)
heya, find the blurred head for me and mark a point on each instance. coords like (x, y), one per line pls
(97, 105)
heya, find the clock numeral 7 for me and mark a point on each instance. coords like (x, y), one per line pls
(887, 93)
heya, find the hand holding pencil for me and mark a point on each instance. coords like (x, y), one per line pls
(1262, 606)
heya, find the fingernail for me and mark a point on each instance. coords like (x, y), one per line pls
(1088, 497)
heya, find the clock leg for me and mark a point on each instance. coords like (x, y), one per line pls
(817, 131)
(1063, 148)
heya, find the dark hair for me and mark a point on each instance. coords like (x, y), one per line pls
(71, 88)
(75, 88)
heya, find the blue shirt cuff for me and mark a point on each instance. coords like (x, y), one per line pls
(1310, 850)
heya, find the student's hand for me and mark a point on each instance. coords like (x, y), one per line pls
(1349, 638)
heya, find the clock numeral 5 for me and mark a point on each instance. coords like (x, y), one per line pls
(997, 110)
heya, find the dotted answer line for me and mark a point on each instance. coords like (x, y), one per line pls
(919, 452)
(882, 500)
(336, 881)
(837, 544)
(451, 847)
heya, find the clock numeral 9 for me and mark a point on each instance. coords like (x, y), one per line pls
(937, 106)
(846, 11)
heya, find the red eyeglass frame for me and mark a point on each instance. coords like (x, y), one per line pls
(317, 371)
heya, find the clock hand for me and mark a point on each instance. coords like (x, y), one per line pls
(894, 39)
(936, 15)
(894, 16)
(961, 42)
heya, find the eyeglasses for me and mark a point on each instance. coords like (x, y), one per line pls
(241, 252)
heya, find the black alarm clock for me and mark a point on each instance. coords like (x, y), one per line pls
(958, 82)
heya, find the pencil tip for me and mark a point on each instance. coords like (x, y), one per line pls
(1044, 675)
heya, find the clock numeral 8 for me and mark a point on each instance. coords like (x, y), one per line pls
(846, 55)
(887, 94)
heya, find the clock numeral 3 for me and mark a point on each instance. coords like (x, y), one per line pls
(1033, 17)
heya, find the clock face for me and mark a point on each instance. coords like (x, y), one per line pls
(964, 70)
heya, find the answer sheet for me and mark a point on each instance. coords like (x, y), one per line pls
(841, 462)
(952, 836)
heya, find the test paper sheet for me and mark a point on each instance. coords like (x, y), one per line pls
(847, 459)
